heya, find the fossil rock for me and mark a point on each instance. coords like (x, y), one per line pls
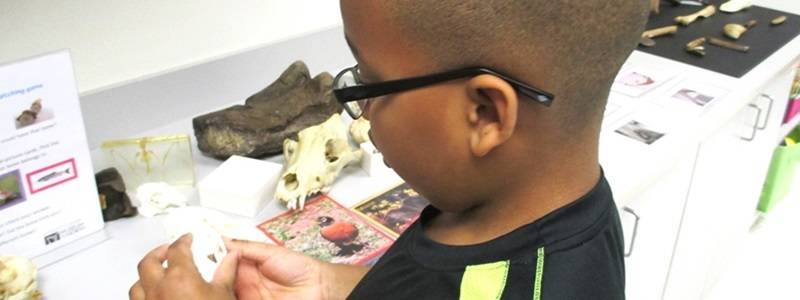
(279, 111)
(114, 200)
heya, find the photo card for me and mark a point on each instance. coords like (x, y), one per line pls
(691, 96)
(637, 81)
(640, 132)
(11, 189)
(395, 210)
(326, 230)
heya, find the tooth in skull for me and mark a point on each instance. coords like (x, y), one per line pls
(313, 162)
(359, 129)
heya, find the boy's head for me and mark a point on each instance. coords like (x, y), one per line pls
(464, 141)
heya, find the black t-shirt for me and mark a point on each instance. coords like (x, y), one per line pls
(574, 252)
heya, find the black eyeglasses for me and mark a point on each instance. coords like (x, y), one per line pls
(353, 94)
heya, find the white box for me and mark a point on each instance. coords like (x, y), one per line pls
(372, 161)
(240, 185)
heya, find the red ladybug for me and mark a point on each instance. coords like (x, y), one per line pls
(341, 234)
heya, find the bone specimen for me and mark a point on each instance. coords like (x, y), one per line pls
(654, 4)
(114, 202)
(257, 128)
(313, 163)
(18, 279)
(735, 31)
(735, 5)
(778, 21)
(208, 248)
(706, 12)
(696, 46)
(647, 36)
(728, 45)
(359, 129)
(157, 198)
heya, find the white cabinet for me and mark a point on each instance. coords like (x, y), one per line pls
(650, 225)
(726, 184)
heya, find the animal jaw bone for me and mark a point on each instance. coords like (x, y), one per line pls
(359, 129)
(18, 279)
(313, 163)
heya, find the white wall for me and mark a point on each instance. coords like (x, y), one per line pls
(114, 42)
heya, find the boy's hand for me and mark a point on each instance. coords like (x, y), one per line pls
(181, 280)
(272, 272)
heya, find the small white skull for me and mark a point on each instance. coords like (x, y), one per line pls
(313, 163)
(359, 129)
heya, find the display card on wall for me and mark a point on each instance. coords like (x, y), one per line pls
(48, 196)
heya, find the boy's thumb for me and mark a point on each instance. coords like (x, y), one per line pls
(226, 272)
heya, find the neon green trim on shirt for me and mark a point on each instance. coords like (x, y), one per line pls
(537, 283)
(486, 281)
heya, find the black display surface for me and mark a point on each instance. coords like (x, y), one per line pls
(763, 39)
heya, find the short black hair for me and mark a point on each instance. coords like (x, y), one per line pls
(572, 48)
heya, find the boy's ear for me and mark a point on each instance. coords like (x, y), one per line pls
(492, 113)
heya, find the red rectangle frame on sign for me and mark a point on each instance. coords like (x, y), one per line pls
(28, 176)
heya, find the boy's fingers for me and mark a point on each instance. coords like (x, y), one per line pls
(179, 254)
(254, 251)
(151, 269)
(226, 271)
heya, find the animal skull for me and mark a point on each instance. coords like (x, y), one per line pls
(18, 279)
(313, 163)
(359, 129)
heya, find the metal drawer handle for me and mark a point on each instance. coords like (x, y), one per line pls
(755, 126)
(769, 110)
(635, 228)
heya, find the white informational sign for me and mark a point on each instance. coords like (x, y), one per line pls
(48, 196)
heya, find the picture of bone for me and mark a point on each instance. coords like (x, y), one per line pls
(18, 279)
(314, 162)
(359, 129)
(26, 118)
(639, 132)
(636, 81)
(35, 113)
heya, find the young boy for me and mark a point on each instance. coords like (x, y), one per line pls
(491, 109)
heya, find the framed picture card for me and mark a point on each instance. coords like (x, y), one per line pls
(326, 230)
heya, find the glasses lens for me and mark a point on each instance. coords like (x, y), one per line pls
(354, 109)
(346, 79)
